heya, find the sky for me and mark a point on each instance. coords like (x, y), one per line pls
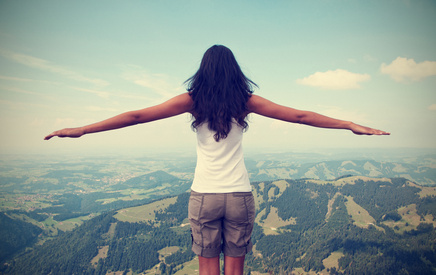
(71, 63)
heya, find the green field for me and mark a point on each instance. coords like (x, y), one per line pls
(143, 213)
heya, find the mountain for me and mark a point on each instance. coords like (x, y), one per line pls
(150, 181)
(350, 225)
(422, 172)
(16, 235)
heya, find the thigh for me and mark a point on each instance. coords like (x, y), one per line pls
(238, 223)
(205, 216)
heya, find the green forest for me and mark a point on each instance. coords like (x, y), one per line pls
(397, 237)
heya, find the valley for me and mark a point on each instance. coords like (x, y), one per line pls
(333, 210)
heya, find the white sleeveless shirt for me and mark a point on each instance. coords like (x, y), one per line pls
(220, 165)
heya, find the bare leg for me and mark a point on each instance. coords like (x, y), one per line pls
(234, 265)
(209, 266)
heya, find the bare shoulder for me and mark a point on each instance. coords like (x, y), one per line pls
(252, 101)
(183, 98)
(183, 101)
(255, 103)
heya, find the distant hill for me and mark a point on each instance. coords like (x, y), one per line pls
(134, 191)
(419, 172)
(150, 181)
(350, 225)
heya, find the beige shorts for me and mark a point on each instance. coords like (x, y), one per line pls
(221, 223)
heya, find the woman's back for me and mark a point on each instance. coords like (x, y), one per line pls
(220, 164)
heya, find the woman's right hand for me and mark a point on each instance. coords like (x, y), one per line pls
(363, 130)
(67, 132)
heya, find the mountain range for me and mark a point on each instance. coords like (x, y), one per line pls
(349, 225)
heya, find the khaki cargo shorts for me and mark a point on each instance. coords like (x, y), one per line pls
(221, 223)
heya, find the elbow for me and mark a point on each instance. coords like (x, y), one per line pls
(134, 119)
(301, 119)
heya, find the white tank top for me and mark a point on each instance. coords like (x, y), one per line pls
(220, 165)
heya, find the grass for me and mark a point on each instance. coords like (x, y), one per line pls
(409, 219)
(67, 225)
(300, 271)
(183, 229)
(137, 194)
(102, 254)
(166, 251)
(349, 180)
(333, 260)
(272, 222)
(189, 268)
(111, 231)
(330, 205)
(281, 185)
(258, 273)
(24, 202)
(143, 213)
(427, 191)
(360, 216)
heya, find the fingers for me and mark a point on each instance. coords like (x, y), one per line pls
(362, 130)
(67, 132)
(50, 136)
(383, 133)
(54, 134)
(379, 132)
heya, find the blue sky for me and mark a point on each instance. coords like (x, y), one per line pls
(70, 63)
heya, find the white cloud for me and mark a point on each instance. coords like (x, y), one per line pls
(432, 107)
(101, 94)
(101, 109)
(403, 69)
(369, 58)
(109, 95)
(334, 80)
(18, 90)
(158, 83)
(20, 79)
(17, 105)
(11, 78)
(22, 91)
(45, 65)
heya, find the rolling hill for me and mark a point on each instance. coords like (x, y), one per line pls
(422, 173)
(350, 225)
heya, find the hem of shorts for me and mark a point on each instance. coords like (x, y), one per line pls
(206, 252)
(244, 250)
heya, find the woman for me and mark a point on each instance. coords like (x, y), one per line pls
(221, 207)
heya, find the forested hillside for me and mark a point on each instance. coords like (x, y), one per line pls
(16, 235)
(351, 225)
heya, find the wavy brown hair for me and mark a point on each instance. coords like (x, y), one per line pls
(220, 92)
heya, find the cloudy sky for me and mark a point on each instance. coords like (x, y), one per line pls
(70, 63)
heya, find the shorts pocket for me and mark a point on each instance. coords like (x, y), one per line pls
(194, 206)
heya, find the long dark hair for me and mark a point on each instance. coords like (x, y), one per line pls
(220, 92)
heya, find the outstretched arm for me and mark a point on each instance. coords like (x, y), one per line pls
(264, 107)
(175, 106)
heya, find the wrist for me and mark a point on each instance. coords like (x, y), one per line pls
(83, 131)
(349, 125)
